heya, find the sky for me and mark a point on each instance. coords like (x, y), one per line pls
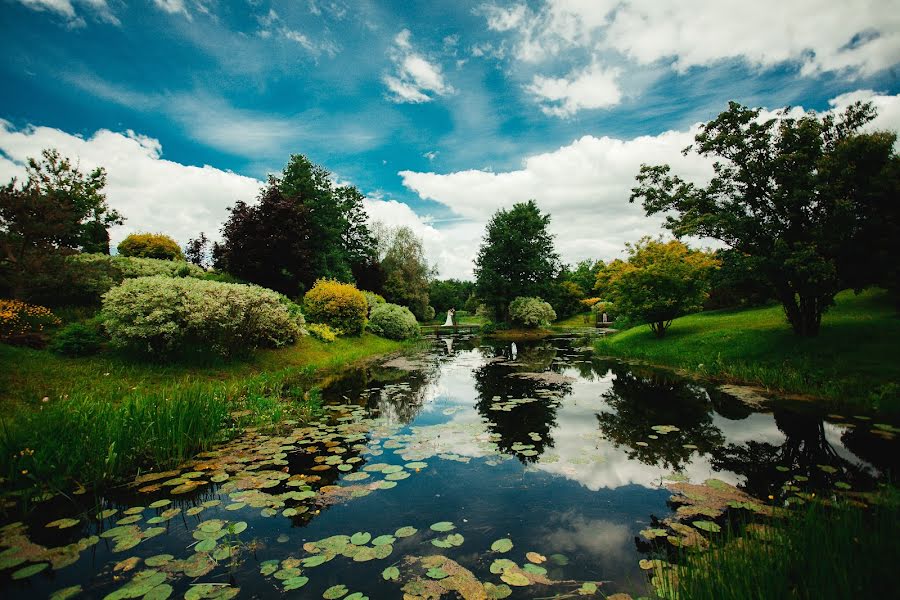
(441, 113)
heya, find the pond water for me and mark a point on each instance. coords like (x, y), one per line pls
(472, 469)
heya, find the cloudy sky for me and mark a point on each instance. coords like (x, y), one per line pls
(440, 112)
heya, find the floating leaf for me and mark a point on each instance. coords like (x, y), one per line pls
(500, 565)
(160, 503)
(535, 557)
(436, 573)
(515, 579)
(268, 567)
(416, 465)
(502, 545)
(30, 570)
(497, 592)
(205, 545)
(294, 583)
(160, 592)
(238, 527)
(66, 593)
(827, 468)
(534, 569)
(315, 561)
(360, 538)
(158, 560)
(443, 526)
(559, 559)
(63, 523)
(391, 574)
(842, 485)
(707, 526)
(381, 540)
(587, 588)
(335, 592)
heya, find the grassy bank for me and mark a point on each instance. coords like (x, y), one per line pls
(94, 420)
(821, 553)
(852, 361)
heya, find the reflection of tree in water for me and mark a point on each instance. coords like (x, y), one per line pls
(493, 384)
(881, 452)
(805, 448)
(641, 399)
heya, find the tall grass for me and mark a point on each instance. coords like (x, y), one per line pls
(852, 361)
(820, 553)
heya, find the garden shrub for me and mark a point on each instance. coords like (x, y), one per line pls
(372, 299)
(77, 339)
(89, 276)
(150, 245)
(339, 305)
(322, 332)
(166, 316)
(23, 324)
(393, 321)
(428, 314)
(531, 312)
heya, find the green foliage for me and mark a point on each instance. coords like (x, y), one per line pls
(565, 297)
(531, 312)
(585, 275)
(851, 361)
(660, 282)
(339, 305)
(811, 199)
(166, 316)
(737, 282)
(77, 339)
(516, 257)
(372, 299)
(393, 322)
(823, 552)
(406, 270)
(322, 332)
(57, 210)
(450, 293)
(150, 245)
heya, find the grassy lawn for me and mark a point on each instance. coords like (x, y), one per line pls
(95, 420)
(854, 359)
(585, 319)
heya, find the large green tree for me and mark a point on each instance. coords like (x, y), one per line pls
(660, 282)
(802, 196)
(407, 274)
(516, 258)
(57, 209)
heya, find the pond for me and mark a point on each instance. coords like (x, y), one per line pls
(471, 469)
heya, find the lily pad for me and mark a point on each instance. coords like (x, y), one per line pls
(515, 579)
(294, 583)
(536, 558)
(360, 538)
(707, 526)
(502, 545)
(500, 565)
(381, 540)
(443, 526)
(559, 559)
(391, 574)
(497, 592)
(405, 531)
(26, 572)
(66, 592)
(436, 573)
(335, 592)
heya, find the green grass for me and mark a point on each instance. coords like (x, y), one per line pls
(853, 361)
(585, 319)
(822, 553)
(95, 420)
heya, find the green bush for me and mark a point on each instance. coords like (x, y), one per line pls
(322, 332)
(372, 299)
(531, 312)
(165, 316)
(393, 321)
(77, 339)
(88, 276)
(150, 245)
(339, 305)
(428, 314)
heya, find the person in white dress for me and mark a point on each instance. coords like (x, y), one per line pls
(449, 321)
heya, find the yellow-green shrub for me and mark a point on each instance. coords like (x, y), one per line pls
(322, 332)
(150, 245)
(339, 305)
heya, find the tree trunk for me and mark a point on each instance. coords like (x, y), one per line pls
(659, 328)
(804, 312)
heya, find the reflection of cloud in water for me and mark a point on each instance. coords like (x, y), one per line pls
(609, 543)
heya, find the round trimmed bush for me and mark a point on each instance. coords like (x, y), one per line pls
(77, 339)
(531, 312)
(150, 245)
(393, 321)
(164, 316)
(338, 305)
(372, 298)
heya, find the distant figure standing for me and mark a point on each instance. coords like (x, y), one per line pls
(449, 321)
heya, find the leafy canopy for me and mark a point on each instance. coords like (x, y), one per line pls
(806, 198)
(407, 274)
(150, 245)
(516, 258)
(660, 282)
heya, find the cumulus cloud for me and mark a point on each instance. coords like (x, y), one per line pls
(594, 87)
(173, 7)
(153, 193)
(415, 79)
(99, 9)
(863, 36)
(585, 187)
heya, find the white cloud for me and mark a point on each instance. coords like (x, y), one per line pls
(433, 154)
(584, 186)
(65, 8)
(415, 78)
(173, 7)
(153, 193)
(860, 38)
(594, 87)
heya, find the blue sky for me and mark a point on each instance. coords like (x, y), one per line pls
(441, 112)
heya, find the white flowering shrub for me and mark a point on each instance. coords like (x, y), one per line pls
(531, 312)
(393, 321)
(167, 316)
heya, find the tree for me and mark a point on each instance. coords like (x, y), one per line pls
(58, 209)
(270, 243)
(197, 250)
(150, 245)
(585, 275)
(516, 257)
(660, 282)
(737, 282)
(406, 271)
(797, 194)
(450, 293)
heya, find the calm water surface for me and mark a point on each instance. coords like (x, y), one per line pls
(538, 443)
